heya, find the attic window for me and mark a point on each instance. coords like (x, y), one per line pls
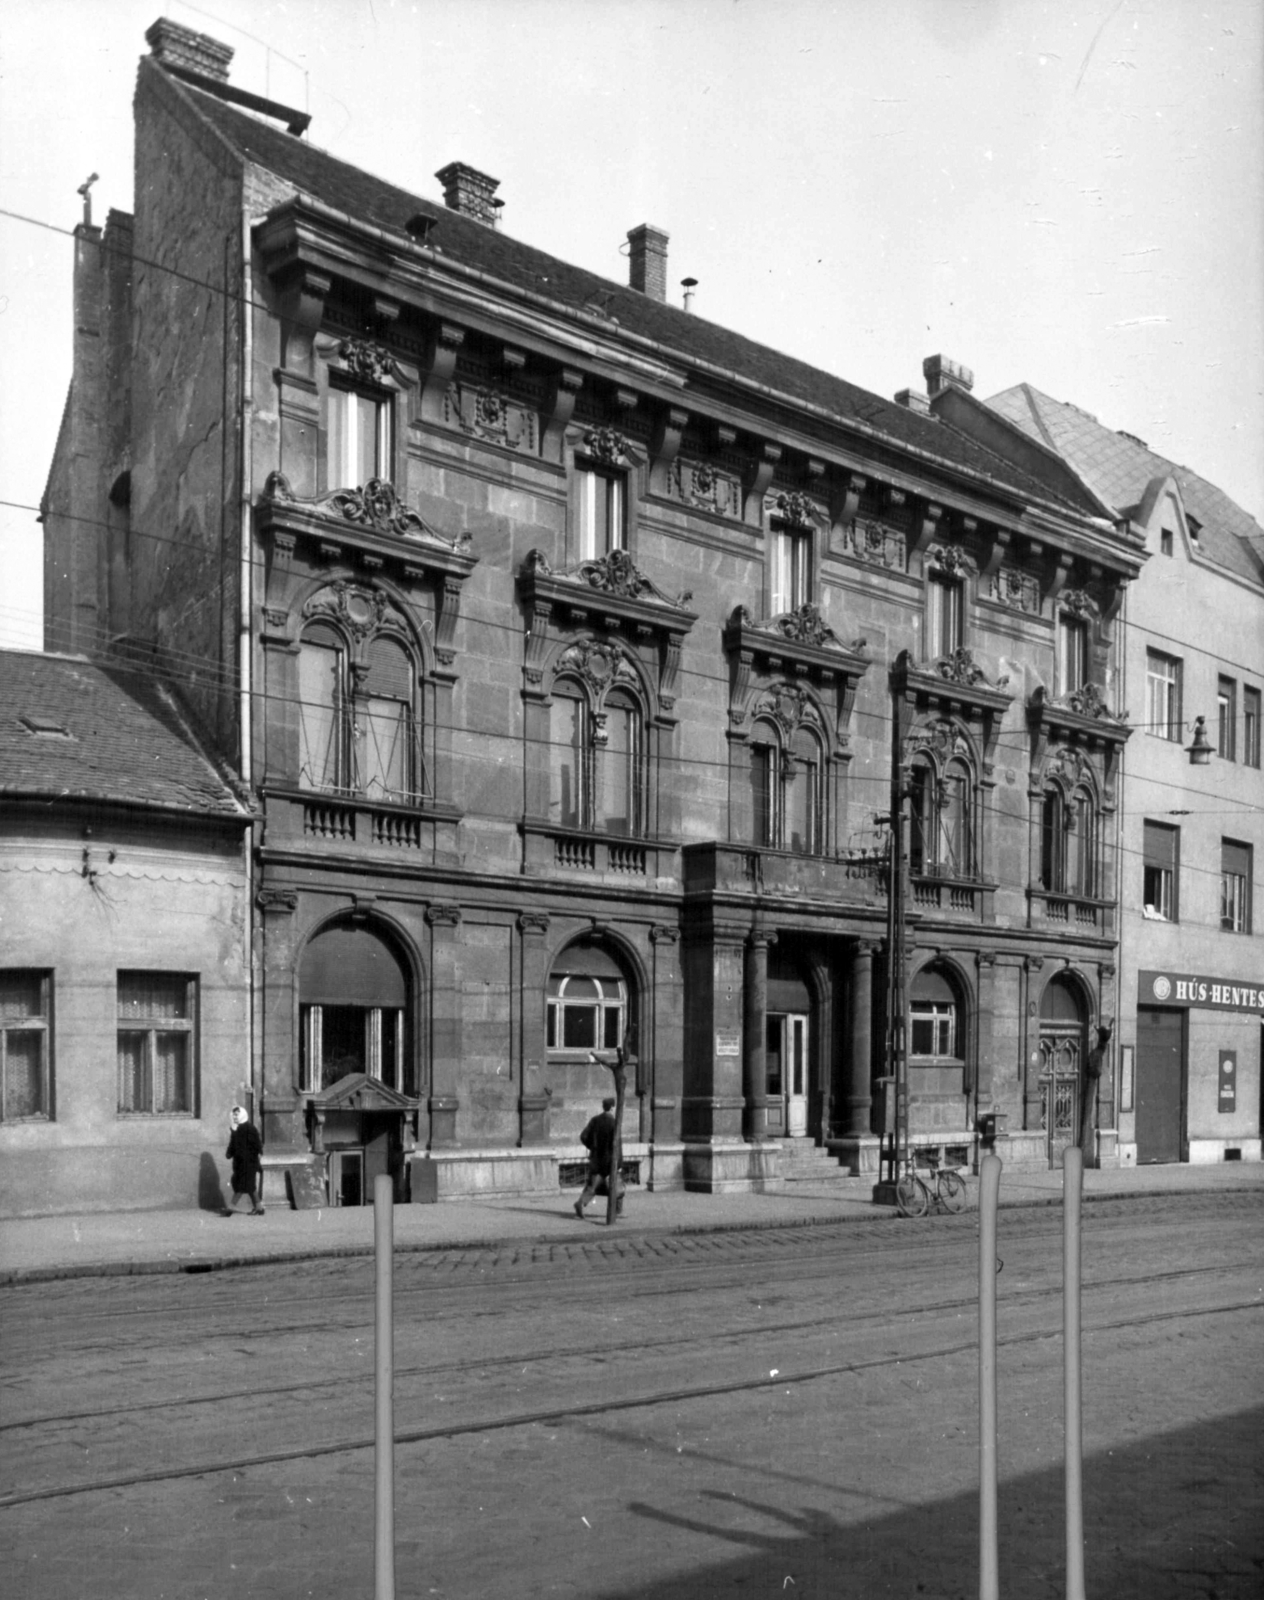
(44, 727)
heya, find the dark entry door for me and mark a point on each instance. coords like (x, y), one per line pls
(1160, 1080)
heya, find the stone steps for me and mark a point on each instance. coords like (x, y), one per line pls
(805, 1162)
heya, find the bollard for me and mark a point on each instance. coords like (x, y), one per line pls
(1072, 1184)
(384, 1417)
(989, 1192)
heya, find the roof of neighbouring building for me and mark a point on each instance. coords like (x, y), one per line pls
(1119, 467)
(360, 196)
(77, 730)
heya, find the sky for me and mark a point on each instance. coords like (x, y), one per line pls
(1068, 194)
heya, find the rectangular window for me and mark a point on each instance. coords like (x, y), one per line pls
(945, 616)
(933, 1028)
(790, 570)
(25, 1063)
(157, 1043)
(1165, 541)
(1072, 653)
(602, 512)
(1226, 719)
(1163, 696)
(1162, 852)
(1251, 727)
(765, 791)
(360, 438)
(1235, 886)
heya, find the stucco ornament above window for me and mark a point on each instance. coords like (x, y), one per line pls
(606, 446)
(369, 362)
(376, 506)
(615, 573)
(961, 667)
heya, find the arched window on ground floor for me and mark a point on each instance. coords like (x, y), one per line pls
(354, 1010)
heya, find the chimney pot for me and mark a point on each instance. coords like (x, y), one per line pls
(647, 260)
(689, 285)
(176, 46)
(470, 193)
(941, 373)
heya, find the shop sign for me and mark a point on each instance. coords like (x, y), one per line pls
(1199, 989)
(728, 1042)
(1228, 1080)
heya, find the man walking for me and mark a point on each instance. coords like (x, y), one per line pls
(598, 1139)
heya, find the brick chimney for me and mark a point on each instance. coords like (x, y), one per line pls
(647, 260)
(470, 193)
(941, 374)
(174, 46)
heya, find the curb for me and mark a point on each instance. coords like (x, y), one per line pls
(198, 1265)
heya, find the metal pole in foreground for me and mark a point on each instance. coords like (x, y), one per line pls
(989, 1192)
(384, 1420)
(1072, 1183)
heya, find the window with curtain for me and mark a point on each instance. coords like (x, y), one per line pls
(157, 1040)
(1226, 719)
(360, 437)
(1251, 726)
(1163, 696)
(25, 1044)
(790, 569)
(1072, 653)
(359, 725)
(945, 615)
(1235, 886)
(601, 511)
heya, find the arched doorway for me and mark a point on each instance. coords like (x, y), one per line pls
(356, 1058)
(1063, 1041)
(787, 1047)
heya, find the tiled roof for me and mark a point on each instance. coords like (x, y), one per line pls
(473, 244)
(81, 731)
(1119, 467)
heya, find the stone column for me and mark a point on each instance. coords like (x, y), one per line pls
(755, 1036)
(859, 1146)
(445, 1025)
(533, 1101)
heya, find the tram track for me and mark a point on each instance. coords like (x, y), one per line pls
(607, 1406)
(843, 1323)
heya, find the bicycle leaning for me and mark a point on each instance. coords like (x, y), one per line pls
(915, 1196)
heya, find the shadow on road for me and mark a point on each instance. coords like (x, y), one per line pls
(1175, 1516)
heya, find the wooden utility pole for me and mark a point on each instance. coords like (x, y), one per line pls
(616, 1153)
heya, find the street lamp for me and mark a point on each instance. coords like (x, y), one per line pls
(1200, 751)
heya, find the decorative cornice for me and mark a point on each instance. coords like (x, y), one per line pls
(615, 576)
(376, 506)
(1083, 711)
(961, 667)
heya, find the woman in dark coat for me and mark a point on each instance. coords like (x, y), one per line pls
(245, 1151)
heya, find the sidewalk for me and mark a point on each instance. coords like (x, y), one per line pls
(105, 1243)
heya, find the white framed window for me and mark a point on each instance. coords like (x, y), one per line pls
(601, 511)
(789, 569)
(945, 615)
(338, 1040)
(1251, 726)
(157, 1044)
(360, 436)
(25, 1045)
(933, 1028)
(1072, 653)
(1226, 719)
(585, 1012)
(1163, 696)
(1235, 886)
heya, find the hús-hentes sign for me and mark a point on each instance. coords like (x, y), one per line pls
(1199, 989)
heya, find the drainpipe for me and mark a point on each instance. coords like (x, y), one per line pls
(244, 659)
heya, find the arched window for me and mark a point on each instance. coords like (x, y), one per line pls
(941, 833)
(353, 1010)
(787, 789)
(1052, 840)
(1082, 845)
(359, 722)
(1068, 842)
(587, 1001)
(596, 761)
(936, 1024)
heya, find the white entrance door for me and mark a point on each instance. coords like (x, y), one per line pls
(787, 1060)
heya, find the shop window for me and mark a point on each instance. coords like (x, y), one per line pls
(1226, 719)
(601, 511)
(597, 761)
(941, 838)
(25, 1045)
(787, 794)
(587, 1001)
(1161, 848)
(1251, 727)
(353, 1011)
(945, 615)
(1072, 653)
(157, 1043)
(361, 436)
(358, 724)
(789, 569)
(1235, 886)
(1163, 696)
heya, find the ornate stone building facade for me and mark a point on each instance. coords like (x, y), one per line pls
(574, 649)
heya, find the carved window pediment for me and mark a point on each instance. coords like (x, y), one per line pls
(1082, 714)
(373, 519)
(952, 680)
(799, 640)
